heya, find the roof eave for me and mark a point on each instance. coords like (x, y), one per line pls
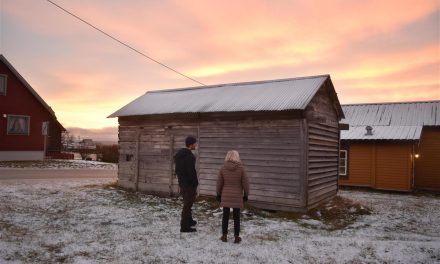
(27, 85)
(115, 114)
(381, 140)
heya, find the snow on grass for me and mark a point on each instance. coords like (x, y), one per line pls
(58, 164)
(91, 221)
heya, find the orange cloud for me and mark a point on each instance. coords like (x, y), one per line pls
(365, 45)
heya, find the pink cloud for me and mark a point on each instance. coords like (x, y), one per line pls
(364, 45)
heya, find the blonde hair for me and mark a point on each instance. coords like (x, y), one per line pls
(232, 155)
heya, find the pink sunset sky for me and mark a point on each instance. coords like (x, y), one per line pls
(375, 51)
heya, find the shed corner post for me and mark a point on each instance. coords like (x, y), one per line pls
(171, 165)
(304, 160)
(337, 161)
(198, 118)
(136, 170)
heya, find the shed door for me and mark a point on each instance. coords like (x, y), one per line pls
(393, 166)
(427, 165)
(158, 145)
(154, 160)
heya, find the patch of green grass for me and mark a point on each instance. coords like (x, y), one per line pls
(267, 237)
(54, 248)
(12, 232)
(339, 213)
(335, 214)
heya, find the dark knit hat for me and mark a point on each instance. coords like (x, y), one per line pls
(190, 140)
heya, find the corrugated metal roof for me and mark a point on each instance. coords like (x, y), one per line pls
(393, 114)
(274, 95)
(390, 121)
(383, 133)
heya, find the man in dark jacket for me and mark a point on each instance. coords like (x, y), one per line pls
(187, 176)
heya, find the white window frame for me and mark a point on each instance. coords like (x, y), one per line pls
(28, 126)
(4, 80)
(345, 162)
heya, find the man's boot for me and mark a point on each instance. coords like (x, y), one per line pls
(188, 230)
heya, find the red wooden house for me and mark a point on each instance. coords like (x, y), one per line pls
(25, 118)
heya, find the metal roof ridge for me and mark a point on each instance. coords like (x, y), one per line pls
(387, 125)
(236, 84)
(392, 103)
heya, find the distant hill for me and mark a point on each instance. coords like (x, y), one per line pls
(106, 135)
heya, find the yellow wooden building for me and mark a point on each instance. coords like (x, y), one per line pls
(391, 146)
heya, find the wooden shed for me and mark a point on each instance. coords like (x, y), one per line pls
(286, 132)
(400, 151)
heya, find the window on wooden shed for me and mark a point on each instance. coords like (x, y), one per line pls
(3, 82)
(343, 162)
(18, 125)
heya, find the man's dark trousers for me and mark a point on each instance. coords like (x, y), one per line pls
(189, 196)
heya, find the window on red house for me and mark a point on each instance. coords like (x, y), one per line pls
(3, 82)
(18, 125)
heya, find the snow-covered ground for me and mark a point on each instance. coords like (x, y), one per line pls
(58, 164)
(91, 221)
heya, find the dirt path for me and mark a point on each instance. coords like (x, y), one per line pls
(20, 174)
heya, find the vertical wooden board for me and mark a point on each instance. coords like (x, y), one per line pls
(427, 166)
(304, 163)
(392, 166)
(373, 175)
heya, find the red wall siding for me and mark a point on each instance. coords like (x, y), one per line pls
(19, 101)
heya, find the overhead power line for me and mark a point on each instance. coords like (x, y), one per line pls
(124, 44)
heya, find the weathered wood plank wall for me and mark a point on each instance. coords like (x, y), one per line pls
(268, 144)
(323, 149)
(278, 151)
(159, 139)
(269, 150)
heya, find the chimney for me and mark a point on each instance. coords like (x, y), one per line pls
(369, 131)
